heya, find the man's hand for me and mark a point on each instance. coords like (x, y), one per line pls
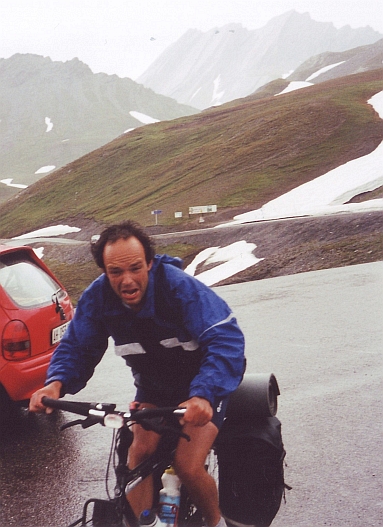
(52, 390)
(198, 411)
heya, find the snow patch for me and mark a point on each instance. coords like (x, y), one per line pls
(295, 85)
(195, 93)
(9, 183)
(49, 124)
(217, 95)
(201, 257)
(323, 70)
(55, 230)
(237, 257)
(45, 170)
(145, 119)
(39, 251)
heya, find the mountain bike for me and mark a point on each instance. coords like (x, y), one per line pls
(256, 396)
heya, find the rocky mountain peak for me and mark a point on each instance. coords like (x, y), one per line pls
(204, 69)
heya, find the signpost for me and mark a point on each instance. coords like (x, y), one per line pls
(156, 213)
(202, 209)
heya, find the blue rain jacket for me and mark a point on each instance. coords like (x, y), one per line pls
(185, 335)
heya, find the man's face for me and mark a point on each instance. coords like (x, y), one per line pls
(127, 270)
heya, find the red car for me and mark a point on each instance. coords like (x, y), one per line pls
(35, 311)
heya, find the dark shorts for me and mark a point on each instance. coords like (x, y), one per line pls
(174, 399)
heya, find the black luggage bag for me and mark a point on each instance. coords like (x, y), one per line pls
(251, 456)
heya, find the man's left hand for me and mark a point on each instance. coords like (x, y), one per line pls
(198, 411)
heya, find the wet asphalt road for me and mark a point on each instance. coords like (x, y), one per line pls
(321, 334)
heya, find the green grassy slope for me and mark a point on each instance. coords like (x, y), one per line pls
(239, 155)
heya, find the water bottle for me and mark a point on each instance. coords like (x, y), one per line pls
(149, 518)
(170, 497)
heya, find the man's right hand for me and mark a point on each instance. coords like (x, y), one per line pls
(52, 390)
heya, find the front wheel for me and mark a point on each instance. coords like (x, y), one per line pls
(189, 515)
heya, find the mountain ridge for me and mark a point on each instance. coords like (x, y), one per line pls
(223, 64)
(53, 113)
(355, 60)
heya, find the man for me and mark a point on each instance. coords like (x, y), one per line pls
(179, 338)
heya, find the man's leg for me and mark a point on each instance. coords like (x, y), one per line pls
(144, 444)
(189, 464)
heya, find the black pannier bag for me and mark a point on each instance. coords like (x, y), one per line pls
(251, 471)
(251, 454)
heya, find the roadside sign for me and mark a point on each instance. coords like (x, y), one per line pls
(203, 209)
(156, 212)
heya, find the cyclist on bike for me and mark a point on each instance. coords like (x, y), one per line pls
(180, 339)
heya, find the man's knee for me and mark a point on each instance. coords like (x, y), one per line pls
(139, 451)
(187, 469)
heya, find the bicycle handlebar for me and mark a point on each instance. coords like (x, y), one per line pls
(75, 407)
(107, 414)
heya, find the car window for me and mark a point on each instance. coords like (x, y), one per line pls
(25, 283)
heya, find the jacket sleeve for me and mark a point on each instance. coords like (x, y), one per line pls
(223, 364)
(211, 322)
(81, 349)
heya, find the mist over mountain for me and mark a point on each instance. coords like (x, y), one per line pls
(52, 113)
(204, 69)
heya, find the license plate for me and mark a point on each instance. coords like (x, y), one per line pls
(57, 333)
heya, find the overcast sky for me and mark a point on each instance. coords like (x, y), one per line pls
(125, 36)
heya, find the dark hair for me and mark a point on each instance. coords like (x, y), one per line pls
(119, 231)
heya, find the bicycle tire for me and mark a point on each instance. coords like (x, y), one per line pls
(189, 515)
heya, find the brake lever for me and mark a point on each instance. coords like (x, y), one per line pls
(72, 423)
(85, 423)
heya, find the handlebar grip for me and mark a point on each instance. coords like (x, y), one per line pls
(69, 406)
